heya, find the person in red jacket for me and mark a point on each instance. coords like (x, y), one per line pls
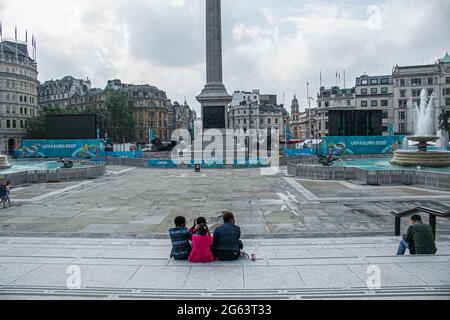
(201, 246)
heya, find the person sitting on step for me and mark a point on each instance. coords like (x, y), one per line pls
(419, 239)
(227, 245)
(181, 237)
(201, 245)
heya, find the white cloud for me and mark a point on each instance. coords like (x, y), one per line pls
(276, 46)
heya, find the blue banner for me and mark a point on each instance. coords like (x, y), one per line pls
(362, 145)
(61, 148)
(300, 152)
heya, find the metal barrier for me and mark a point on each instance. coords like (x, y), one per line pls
(91, 170)
(433, 214)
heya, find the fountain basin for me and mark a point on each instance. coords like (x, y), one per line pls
(422, 157)
(433, 159)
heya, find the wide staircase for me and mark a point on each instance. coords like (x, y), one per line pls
(332, 268)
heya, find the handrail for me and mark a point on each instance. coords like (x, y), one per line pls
(432, 213)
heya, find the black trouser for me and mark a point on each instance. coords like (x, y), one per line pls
(225, 255)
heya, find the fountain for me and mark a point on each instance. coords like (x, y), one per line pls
(423, 135)
(4, 164)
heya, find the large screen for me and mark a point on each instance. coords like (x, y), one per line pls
(65, 127)
(355, 123)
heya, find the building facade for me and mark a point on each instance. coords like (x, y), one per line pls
(333, 98)
(60, 92)
(408, 83)
(376, 93)
(18, 93)
(255, 111)
(151, 107)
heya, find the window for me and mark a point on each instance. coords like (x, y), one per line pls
(385, 114)
(384, 90)
(385, 129)
(402, 82)
(364, 104)
(364, 82)
(402, 115)
(416, 92)
(327, 104)
(374, 91)
(374, 81)
(269, 121)
(374, 103)
(8, 123)
(384, 103)
(416, 82)
(447, 80)
(276, 121)
(364, 91)
(402, 127)
(446, 92)
(430, 92)
(447, 101)
(430, 81)
(384, 80)
(348, 103)
(403, 93)
(14, 124)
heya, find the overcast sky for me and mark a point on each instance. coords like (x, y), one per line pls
(274, 45)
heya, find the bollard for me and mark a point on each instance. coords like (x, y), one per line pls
(433, 224)
(397, 226)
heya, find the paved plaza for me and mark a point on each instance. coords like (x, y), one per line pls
(142, 203)
(312, 239)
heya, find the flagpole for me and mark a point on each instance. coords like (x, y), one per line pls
(1, 38)
(17, 49)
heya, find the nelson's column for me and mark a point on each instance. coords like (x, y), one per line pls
(214, 98)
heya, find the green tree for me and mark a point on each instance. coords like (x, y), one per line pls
(120, 115)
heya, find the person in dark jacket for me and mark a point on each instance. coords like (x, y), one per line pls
(227, 245)
(419, 238)
(3, 193)
(181, 240)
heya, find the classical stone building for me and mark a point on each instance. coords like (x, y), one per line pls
(376, 93)
(18, 93)
(409, 81)
(182, 116)
(334, 98)
(255, 112)
(151, 107)
(59, 92)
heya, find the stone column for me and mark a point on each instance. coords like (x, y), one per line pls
(214, 97)
(213, 41)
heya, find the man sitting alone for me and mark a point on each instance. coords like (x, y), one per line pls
(181, 237)
(227, 245)
(419, 238)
